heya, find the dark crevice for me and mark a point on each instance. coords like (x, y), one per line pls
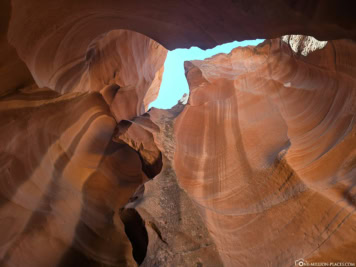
(151, 157)
(122, 127)
(151, 169)
(138, 193)
(108, 93)
(158, 232)
(136, 232)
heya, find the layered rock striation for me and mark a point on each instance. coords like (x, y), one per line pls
(61, 182)
(265, 148)
(52, 37)
(64, 177)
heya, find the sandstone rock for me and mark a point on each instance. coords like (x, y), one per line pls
(136, 136)
(265, 148)
(63, 178)
(127, 63)
(53, 37)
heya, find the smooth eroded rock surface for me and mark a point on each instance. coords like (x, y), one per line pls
(266, 148)
(63, 177)
(53, 37)
(62, 180)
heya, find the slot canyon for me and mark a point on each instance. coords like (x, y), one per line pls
(258, 168)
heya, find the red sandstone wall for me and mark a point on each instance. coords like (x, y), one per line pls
(265, 148)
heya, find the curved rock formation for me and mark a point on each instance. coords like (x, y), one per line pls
(63, 178)
(266, 149)
(137, 134)
(53, 37)
(57, 166)
(125, 65)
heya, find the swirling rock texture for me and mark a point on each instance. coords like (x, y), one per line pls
(60, 183)
(266, 149)
(52, 37)
(263, 152)
(63, 177)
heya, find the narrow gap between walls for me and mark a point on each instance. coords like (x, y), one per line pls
(174, 84)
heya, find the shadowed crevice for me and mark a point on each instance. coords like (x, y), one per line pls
(136, 232)
(151, 169)
(137, 137)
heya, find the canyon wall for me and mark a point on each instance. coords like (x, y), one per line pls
(60, 182)
(52, 36)
(63, 176)
(266, 149)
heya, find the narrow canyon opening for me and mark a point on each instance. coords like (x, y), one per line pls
(136, 232)
(138, 132)
(174, 83)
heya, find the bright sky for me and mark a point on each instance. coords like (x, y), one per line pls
(174, 83)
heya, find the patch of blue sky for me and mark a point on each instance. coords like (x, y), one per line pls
(174, 84)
